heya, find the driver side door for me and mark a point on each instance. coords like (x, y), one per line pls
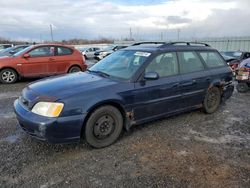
(37, 63)
(159, 97)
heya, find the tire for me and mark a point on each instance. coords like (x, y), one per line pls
(103, 127)
(8, 76)
(242, 87)
(74, 69)
(212, 100)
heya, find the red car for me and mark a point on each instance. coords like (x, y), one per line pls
(40, 61)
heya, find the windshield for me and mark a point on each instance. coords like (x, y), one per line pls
(235, 55)
(23, 51)
(82, 49)
(109, 48)
(121, 64)
(7, 49)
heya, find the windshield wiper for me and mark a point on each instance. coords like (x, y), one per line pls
(103, 74)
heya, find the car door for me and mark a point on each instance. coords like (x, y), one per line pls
(37, 62)
(161, 96)
(195, 79)
(61, 61)
(90, 53)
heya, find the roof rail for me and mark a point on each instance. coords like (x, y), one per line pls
(139, 43)
(185, 43)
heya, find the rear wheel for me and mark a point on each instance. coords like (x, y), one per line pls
(74, 69)
(8, 76)
(103, 127)
(212, 100)
(242, 87)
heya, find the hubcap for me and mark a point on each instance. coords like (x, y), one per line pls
(8, 76)
(104, 126)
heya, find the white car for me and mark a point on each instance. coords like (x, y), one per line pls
(88, 53)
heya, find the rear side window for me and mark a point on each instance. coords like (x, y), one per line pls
(212, 59)
(189, 62)
(164, 64)
(64, 51)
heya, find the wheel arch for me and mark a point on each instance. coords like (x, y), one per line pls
(217, 83)
(75, 65)
(18, 73)
(113, 103)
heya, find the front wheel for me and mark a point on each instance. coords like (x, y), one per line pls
(242, 87)
(8, 76)
(212, 100)
(103, 127)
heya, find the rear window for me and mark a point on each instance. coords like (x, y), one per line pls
(64, 51)
(212, 59)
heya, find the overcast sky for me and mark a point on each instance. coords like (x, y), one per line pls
(148, 19)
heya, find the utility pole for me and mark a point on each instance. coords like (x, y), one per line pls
(178, 33)
(51, 32)
(130, 34)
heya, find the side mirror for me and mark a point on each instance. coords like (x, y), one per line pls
(26, 56)
(151, 76)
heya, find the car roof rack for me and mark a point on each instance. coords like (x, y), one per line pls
(185, 43)
(140, 43)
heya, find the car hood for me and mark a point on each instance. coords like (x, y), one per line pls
(60, 87)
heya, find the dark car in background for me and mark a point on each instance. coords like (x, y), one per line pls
(12, 50)
(131, 86)
(100, 54)
(234, 58)
(39, 61)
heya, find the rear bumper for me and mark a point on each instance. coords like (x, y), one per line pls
(52, 130)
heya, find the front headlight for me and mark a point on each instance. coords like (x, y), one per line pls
(48, 109)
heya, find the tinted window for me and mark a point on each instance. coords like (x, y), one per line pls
(42, 51)
(212, 59)
(189, 62)
(64, 51)
(164, 64)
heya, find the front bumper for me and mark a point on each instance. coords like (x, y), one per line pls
(53, 130)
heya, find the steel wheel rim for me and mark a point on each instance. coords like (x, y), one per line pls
(104, 126)
(8, 76)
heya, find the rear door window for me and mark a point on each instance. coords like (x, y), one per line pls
(212, 59)
(64, 51)
(189, 62)
(164, 64)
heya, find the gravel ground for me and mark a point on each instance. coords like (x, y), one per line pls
(188, 150)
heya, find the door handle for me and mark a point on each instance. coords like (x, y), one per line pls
(189, 83)
(176, 85)
(51, 59)
(208, 79)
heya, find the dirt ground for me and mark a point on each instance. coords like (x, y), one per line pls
(188, 150)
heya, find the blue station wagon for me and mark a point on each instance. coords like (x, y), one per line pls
(134, 85)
